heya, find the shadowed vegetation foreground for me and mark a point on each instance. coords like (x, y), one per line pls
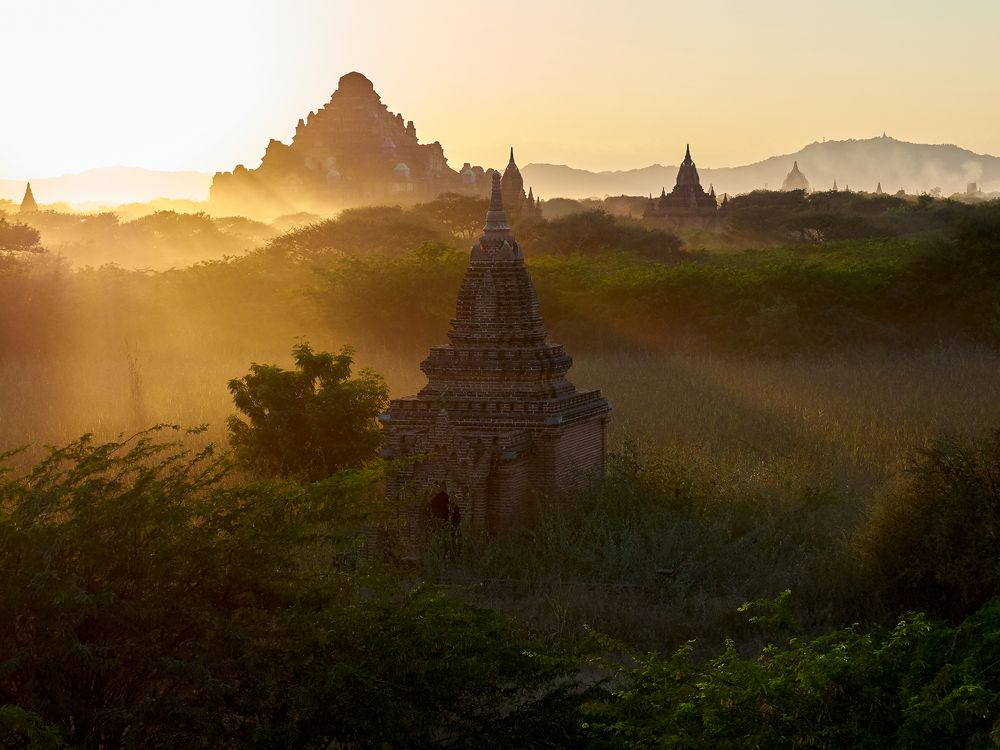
(156, 603)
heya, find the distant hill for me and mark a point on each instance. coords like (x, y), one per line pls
(110, 185)
(861, 164)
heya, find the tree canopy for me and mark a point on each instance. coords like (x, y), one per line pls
(311, 421)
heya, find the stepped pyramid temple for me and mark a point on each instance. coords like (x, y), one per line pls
(498, 420)
(795, 180)
(687, 204)
(28, 204)
(352, 152)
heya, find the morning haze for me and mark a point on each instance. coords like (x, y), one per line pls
(751, 80)
(452, 374)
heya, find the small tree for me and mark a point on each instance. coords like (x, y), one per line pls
(15, 236)
(311, 421)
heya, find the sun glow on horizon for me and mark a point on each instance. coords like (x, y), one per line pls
(204, 86)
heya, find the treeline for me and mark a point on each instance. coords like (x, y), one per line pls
(388, 276)
(159, 240)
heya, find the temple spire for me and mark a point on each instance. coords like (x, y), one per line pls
(28, 204)
(511, 154)
(687, 154)
(496, 218)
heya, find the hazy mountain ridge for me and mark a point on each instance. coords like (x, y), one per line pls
(112, 185)
(860, 164)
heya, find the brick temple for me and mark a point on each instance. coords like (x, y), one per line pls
(497, 422)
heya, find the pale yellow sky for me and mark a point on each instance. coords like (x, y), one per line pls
(204, 85)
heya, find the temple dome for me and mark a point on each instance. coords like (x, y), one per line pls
(512, 180)
(354, 81)
(795, 180)
(688, 173)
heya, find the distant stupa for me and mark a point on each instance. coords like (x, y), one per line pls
(835, 185)
(28, 204)
(879, 190)
(795, 180)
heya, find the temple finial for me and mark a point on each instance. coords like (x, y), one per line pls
(511, 154)
(687, 154)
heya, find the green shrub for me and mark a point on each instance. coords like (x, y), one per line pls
(311, 421)
(917, 685)
(149, 601)
(933, 541)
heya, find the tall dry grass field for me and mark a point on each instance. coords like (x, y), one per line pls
(849, 420)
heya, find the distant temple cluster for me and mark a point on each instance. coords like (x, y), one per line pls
(688, 205)
(354, 152)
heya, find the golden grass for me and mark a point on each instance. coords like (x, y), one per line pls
(847, 420)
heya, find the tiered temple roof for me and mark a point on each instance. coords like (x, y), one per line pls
(687, 203)
(498, 417)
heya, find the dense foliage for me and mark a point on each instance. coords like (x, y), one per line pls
(311, 421)
(932, 541)
(154, 603)
(150, 603)
(15, 236)
(917, 685)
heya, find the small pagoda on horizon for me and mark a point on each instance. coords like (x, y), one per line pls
(687, 204)
(795, 180)
(497, 423)
(28, 205)
(516, 204)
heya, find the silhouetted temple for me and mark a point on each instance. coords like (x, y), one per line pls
(28, 204)
(352, 152)
(516, 204)
(687, 204)
(795, 180)
(497, 421)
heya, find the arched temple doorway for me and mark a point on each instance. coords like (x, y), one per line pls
(442, 508)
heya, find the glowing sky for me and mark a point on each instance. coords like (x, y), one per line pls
(204, 84)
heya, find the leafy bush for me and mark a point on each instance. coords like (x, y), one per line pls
(593, 232)
(919, 684)
(151, 602)
(933, 542)
(18, 236)
(377, 230)
(312, 421)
